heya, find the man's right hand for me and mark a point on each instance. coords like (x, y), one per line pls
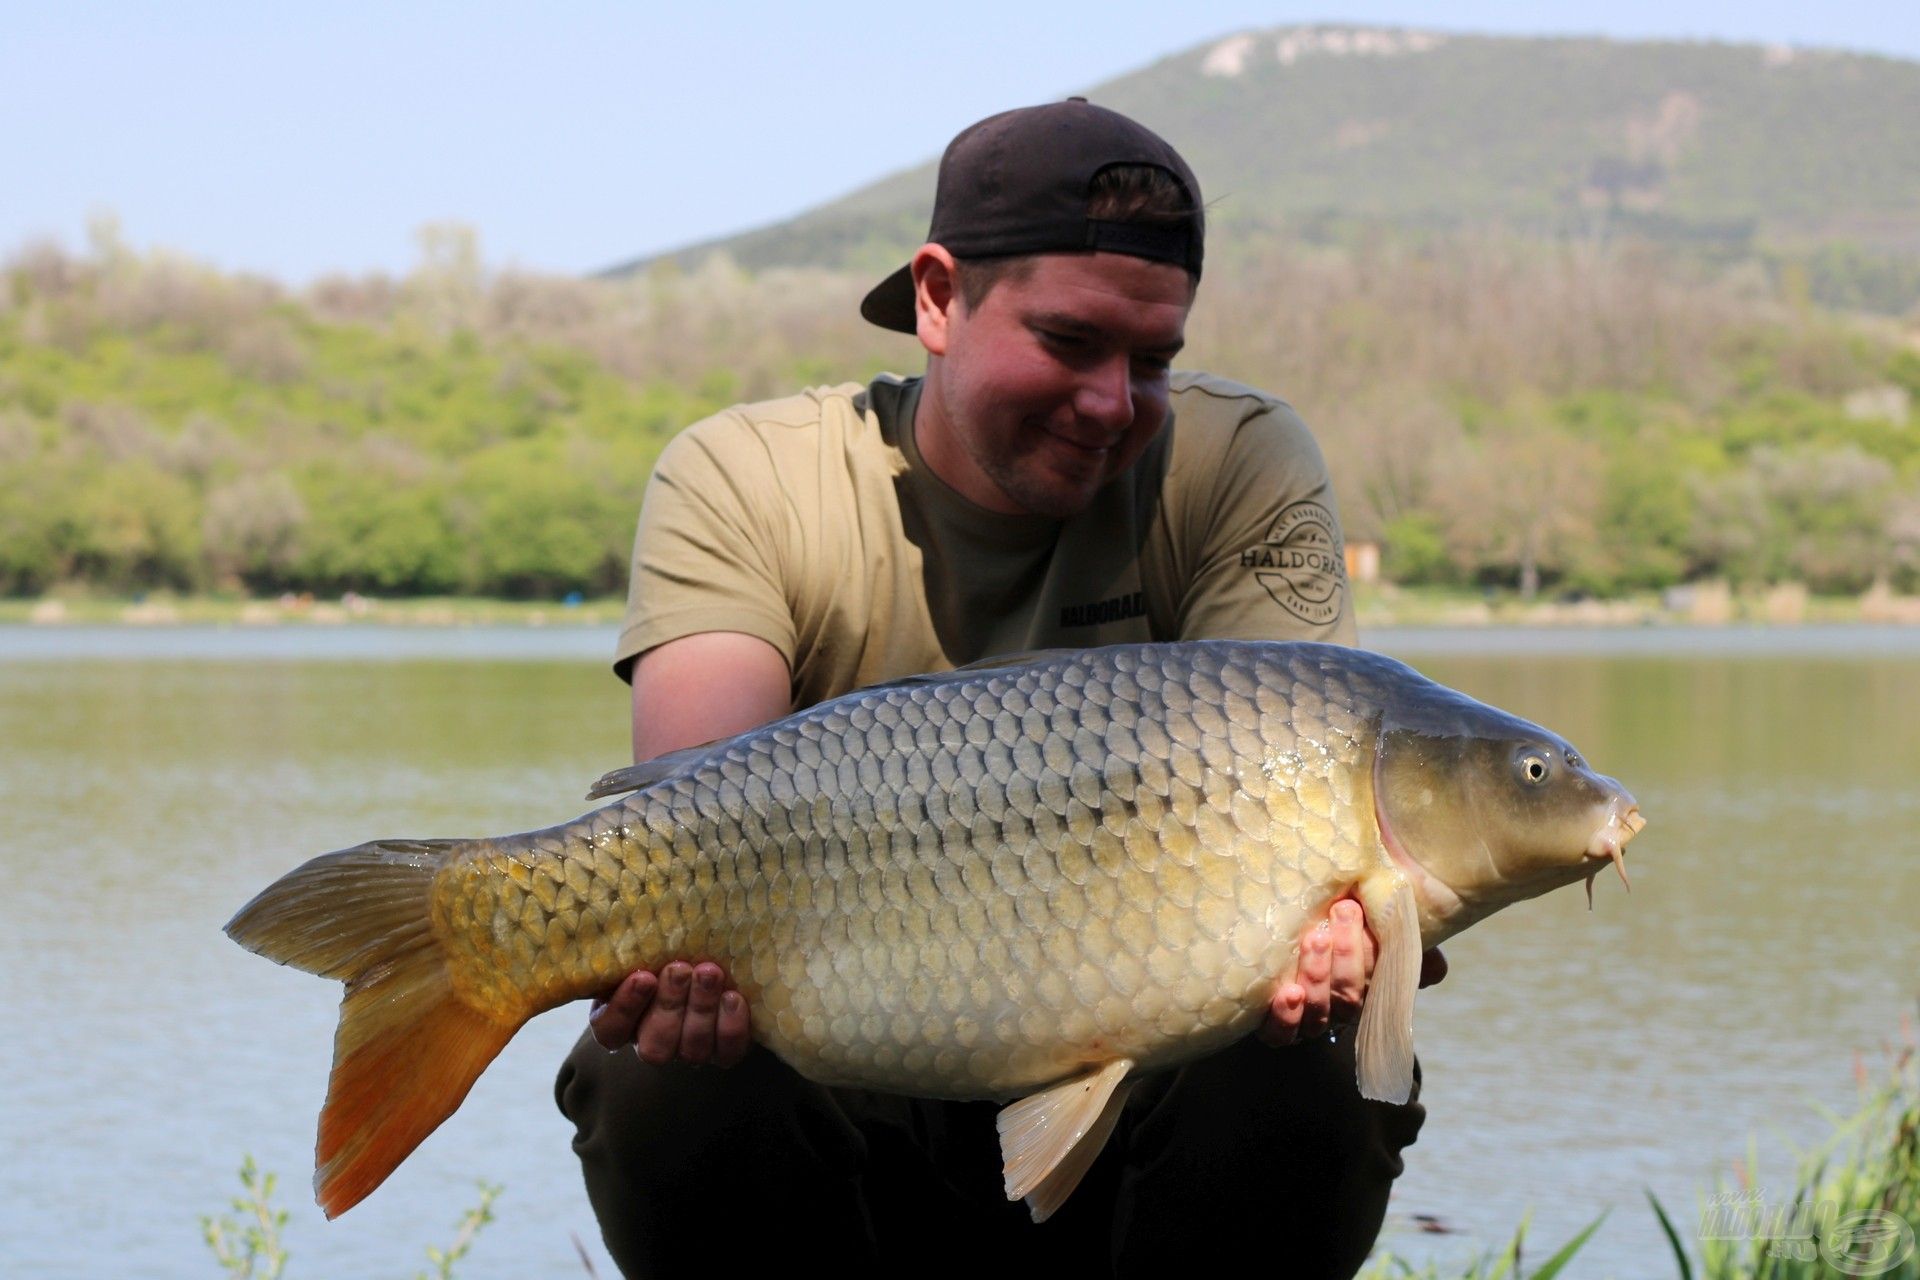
(685, 1013)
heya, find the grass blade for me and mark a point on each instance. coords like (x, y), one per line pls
(1680, 1258)
(1552, 1266)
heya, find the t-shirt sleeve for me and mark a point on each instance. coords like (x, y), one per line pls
(707, 555)
(1268, 558)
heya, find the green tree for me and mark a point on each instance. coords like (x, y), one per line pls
(1645, 519)
(366, 533)
(1521, 499)
(538, 522)
(134, 527)
(252, 529)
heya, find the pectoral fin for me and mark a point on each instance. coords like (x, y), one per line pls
(1384, 1046)
(1048, 1141)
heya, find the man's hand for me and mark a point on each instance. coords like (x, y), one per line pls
(1326, 988)
(686, 1013)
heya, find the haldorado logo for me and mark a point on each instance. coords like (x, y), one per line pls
(1302, 564)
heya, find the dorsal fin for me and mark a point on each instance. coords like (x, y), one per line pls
(638, 777)
(998, 661)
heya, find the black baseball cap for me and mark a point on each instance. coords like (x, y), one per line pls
(1017, 182)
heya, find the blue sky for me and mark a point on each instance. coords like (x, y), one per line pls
(297, 139)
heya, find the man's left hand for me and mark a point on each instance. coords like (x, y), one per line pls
(1328, 983)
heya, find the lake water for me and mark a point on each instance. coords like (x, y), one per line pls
(151, 781)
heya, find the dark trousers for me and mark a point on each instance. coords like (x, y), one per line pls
(755, 1170)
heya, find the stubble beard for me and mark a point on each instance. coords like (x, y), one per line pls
(1031, 492)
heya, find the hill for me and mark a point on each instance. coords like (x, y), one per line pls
(1316, 132)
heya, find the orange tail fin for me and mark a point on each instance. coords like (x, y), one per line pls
(408, 1048)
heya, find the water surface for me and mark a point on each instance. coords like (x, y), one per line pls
(153, 780)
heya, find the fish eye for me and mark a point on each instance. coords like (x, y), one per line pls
(1534, 767)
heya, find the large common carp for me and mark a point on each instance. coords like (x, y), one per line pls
(1034, 878)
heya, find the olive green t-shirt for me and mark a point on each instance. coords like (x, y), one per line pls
(814, 524)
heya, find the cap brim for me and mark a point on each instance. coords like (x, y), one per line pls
(889, 304)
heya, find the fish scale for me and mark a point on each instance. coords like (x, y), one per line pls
(1089, 829)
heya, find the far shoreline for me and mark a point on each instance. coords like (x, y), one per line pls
(1707, 605)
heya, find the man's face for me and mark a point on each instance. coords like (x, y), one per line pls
(1057, 382)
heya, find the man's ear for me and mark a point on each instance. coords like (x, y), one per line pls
(935, 296)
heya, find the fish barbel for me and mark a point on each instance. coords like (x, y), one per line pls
(1034, 878)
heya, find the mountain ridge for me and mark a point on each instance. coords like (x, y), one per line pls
(1314, 130)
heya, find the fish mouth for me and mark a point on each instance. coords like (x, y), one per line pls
(1609, 843)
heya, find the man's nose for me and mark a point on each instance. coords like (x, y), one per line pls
(1105, 395)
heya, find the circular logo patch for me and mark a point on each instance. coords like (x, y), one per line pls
(1301, 563)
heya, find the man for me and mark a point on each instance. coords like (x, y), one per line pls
(1049, 482)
